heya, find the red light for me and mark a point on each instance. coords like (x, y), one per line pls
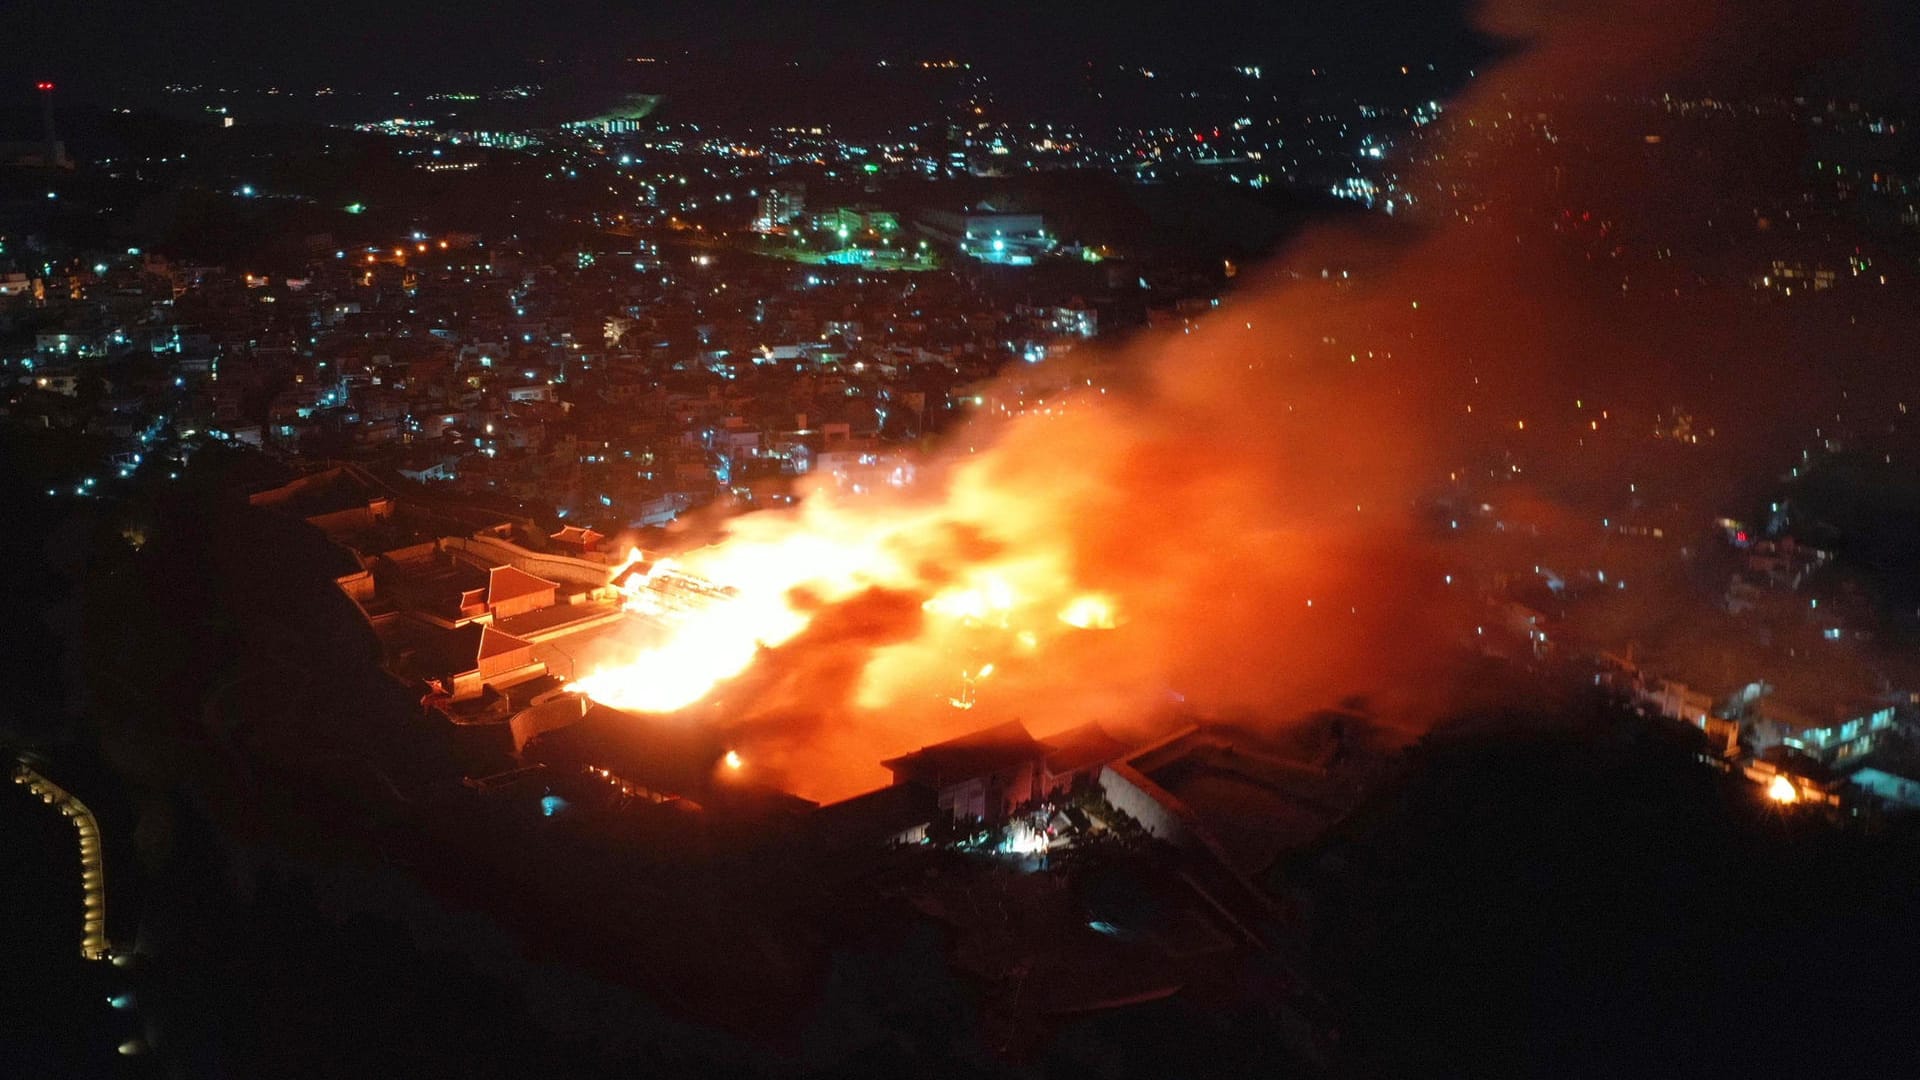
(1740, 537)
(46, 86)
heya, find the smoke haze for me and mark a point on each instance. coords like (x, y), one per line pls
(1254, 495)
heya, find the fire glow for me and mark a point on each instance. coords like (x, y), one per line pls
(719, 608)
(1151, 548)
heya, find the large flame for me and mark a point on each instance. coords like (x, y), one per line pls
(1210, 522)
(712, 634)
(1229, 516)
(720, 606)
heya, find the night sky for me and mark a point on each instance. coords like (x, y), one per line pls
(383, 43)
(379, 38)
(99, 48)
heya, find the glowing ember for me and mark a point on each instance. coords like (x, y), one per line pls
(1089, 613)
(733, 759)
(1782, 791)
(989, 601)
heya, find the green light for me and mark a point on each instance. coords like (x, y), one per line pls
(872, 166)
(355, 208)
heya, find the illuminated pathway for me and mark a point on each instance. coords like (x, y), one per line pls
(93, 938)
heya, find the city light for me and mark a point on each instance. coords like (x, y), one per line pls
(1081, 631)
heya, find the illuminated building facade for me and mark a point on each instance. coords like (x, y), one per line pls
(780, 205)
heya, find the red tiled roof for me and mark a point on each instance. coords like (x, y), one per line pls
(507, 582)
(495, 642)
(576, 534)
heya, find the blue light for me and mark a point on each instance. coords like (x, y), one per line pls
(551, 805)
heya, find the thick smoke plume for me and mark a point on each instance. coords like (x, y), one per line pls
(1235, 504)
(1236, 512)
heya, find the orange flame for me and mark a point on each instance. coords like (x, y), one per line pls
(1782, 791)
(719, 608)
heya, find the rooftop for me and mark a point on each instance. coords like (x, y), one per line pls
(508, 582)
(577, 536)
(1082, 747)
(988, 750)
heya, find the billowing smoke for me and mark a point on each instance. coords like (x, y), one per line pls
(1237, 518)
(1217, 521)
(1229, 519)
